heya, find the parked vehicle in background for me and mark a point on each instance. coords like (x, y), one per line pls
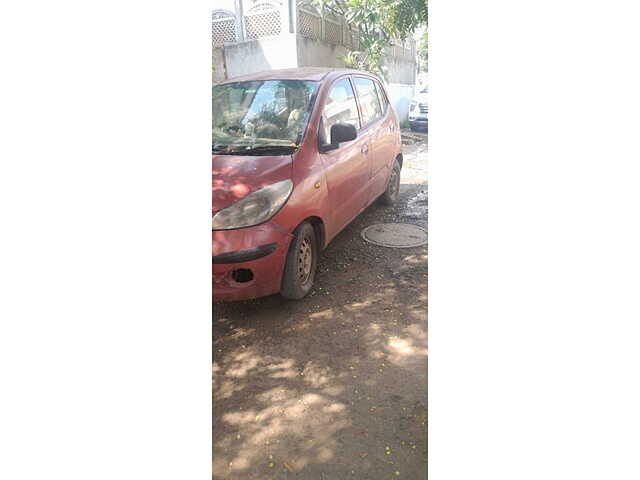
(297, 155)
(419, 111)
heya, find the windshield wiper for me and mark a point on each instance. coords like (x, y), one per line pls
(266, 149)
(220, 149)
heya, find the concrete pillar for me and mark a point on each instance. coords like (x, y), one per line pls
(289, 16)
(239, 20)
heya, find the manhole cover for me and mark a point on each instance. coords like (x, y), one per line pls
(395, 235)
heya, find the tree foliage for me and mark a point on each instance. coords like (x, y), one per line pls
(423, 52)
(406, 17)
(380, 21)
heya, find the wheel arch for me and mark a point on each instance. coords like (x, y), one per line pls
(319, 228)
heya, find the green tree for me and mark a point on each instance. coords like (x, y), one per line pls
(423, 52)
(380, 21)
(406, 17)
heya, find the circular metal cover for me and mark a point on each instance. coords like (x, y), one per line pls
(395, 235)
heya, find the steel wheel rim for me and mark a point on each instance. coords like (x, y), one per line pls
(305, 260)
(394, 184)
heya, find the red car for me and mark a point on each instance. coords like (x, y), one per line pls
(297, 155)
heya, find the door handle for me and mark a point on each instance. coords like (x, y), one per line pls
(365, 149)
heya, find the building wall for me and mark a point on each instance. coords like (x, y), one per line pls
(400, 97)
(316, 53)
(266, 53)
(401, 78)
(320, 40)
(400, 70)
(290, 51)
(218, 65)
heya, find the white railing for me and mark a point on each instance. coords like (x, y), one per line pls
(223, 23)
(309, 21)
(264, 18)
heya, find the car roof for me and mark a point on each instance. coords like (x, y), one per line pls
(314, 74)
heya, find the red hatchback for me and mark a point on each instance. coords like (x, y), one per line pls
(297, 155)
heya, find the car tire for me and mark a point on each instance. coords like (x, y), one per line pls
(301, 265)
(391, 194)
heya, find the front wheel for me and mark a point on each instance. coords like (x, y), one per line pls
(391, 194)
(301, 265)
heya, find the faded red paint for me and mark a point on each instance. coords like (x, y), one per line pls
(348, 183)
(235, 177)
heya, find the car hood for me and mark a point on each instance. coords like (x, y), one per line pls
(236, 176)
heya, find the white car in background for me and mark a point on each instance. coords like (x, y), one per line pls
(419, 110)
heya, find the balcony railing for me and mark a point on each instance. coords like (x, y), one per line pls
(253, 19)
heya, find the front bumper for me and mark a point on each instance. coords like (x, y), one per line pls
(262, 250)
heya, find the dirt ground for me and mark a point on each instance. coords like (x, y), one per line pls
(332, 387)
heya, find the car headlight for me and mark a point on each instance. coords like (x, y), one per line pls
(414, 104)
(255, 208)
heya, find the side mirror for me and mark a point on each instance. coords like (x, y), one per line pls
(343, 132)
(340, 133)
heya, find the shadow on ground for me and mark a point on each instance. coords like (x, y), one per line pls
(333, 386)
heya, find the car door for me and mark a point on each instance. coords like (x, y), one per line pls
(346, 167)
(387, 145)
(371, 109)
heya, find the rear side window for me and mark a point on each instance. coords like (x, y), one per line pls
(341, 107)
(383, 98)
(369, 101)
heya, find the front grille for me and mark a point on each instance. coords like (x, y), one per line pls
(424, 108)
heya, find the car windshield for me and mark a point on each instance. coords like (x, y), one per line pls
(261, 116)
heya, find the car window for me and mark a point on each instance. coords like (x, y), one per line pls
(369, 102)
(340, 107)
(383, 97)
(261, 113)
